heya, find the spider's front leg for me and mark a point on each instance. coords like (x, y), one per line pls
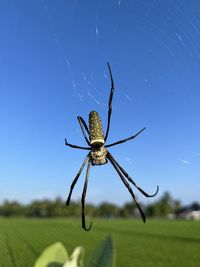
(127, 186)
(87, 159)
(76, 179)
(83, 198)
(130, 179)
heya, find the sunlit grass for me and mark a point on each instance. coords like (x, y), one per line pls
(155, 243)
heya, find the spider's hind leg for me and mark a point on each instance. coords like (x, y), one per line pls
(126, 139)
(75, 146)
(84, 125)
(110, 101)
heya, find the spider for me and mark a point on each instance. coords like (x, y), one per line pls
(99, 154)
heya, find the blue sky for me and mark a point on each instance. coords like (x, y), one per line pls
(53, 68)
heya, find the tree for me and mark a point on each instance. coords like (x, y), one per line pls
(11, 208)
(195, 206)
(108, 210)
(128, 209)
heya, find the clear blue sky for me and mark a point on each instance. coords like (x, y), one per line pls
(53, 68)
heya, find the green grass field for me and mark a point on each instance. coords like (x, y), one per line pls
(156, 243)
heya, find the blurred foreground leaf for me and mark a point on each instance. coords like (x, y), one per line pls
(103, 254)
(76, 259)
(56, 256)
(53, 256)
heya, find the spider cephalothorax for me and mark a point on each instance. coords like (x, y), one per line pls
(99, 154)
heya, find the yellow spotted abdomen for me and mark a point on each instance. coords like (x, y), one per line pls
(96, 130)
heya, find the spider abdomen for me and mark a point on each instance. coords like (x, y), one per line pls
(96, 129)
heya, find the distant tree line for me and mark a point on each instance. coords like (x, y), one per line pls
(57, 208)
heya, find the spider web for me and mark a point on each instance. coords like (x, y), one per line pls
(153, 48)
(172, 27)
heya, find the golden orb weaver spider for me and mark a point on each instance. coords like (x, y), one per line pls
(99, 154)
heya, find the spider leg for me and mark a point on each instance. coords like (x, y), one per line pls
(130, 179)
(75, 146)
(128, 187)
(76, 179)
(84, 125)
(125, 140)
(110, 101)
(83, 199)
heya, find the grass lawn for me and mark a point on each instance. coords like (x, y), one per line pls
(156, 243)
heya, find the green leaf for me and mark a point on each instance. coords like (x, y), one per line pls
(76, 259)
(103, 254)
(53, 256)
